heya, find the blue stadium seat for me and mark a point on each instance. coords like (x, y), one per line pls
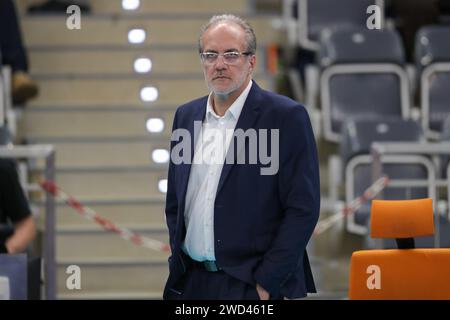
(363, 77)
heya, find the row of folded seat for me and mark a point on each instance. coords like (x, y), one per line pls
(367, 93)
(362, 74)
(355, 148)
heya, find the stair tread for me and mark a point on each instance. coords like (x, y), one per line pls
(112, 295)
(112, 261)
(95, 228)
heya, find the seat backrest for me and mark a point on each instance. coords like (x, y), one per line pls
(438, 97)
(359, 134)
(358, 177)
(5, 136)
(402, 218)
(357, 138)
(400, 273)
(360, 45)
(445, 137)
(432, 45)
(363, 77)
(318, 16)
(432, 57)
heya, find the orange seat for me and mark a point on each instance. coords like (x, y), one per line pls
(400, 273)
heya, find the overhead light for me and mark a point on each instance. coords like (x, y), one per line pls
(142, 65)
(130, 4)
(155, 125)
(149, 94)
(160, 156)
(136, 36)
(162, 185)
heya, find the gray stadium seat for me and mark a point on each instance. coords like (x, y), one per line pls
(432, 55)
(445, 137)
(362, 78)
(355, 150)
(318, 16)
(432, 45)
(5, 136)
(359, 45)
(358, 136)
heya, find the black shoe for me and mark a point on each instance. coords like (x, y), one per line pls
(56, 7)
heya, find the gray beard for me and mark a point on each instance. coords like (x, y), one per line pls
(222, 95)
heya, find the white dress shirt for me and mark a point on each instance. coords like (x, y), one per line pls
(209, 156)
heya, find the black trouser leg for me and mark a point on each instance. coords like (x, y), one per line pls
(11, 45)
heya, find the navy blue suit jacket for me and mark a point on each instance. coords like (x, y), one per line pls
(262, 223)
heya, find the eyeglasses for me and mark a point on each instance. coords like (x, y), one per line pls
(230, 58)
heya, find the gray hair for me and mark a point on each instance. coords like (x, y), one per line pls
(230, 18)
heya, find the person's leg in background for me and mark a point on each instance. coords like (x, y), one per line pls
(13, 54)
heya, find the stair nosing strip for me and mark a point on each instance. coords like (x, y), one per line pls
(106, 202)
(136, 139)
(112, 262)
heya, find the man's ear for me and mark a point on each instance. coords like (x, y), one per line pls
(252, 62)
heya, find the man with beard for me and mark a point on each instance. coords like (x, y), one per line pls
(236, 233)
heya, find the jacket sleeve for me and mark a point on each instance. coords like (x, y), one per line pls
(299, 192)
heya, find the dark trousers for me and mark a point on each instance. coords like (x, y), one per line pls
(11, 46)
(199, 284)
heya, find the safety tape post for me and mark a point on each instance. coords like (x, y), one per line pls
(369, 194)
(91, 215)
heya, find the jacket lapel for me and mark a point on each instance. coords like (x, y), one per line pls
(198, 115)
(247, 118)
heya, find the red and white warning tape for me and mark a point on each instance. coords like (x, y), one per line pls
(139, 240)
(91, 215)
(354, 205)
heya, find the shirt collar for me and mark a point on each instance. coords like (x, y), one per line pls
(234, 110)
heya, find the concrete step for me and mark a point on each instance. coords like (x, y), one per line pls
(173, 6)
(107, 154)
(93, 242)
(157, 6)
(112, 30)
(108, 185)
(166, 60)
(114, 279)
(116, 91)
(119, 92)
(87, 123)
(147, 212)
(104, 295)
(120, 214)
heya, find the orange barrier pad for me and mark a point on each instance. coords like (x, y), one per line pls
(403, 274)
